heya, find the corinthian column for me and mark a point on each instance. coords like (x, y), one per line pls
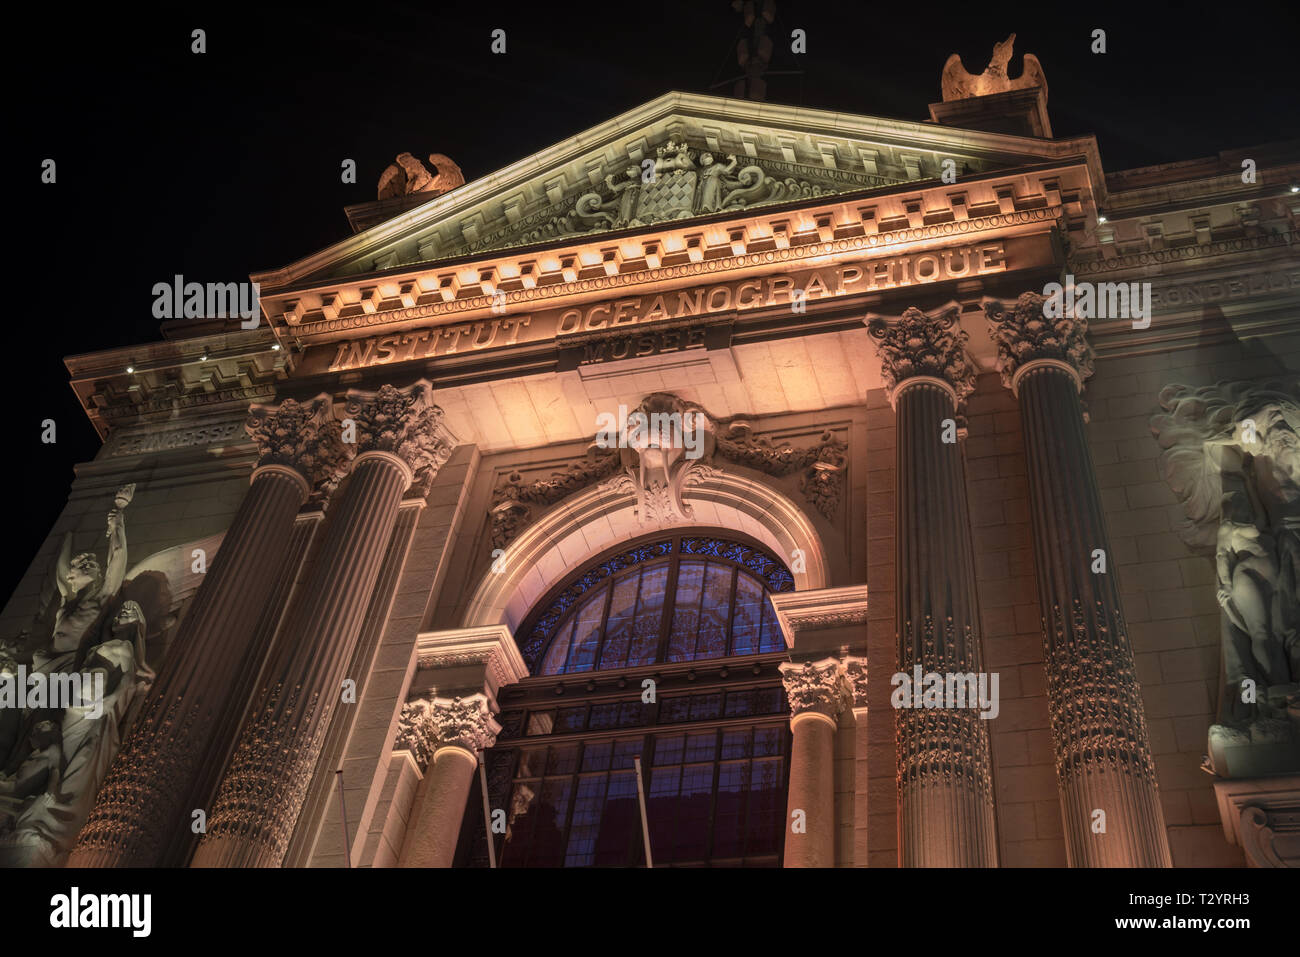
(1104, 770)
(445, 735)
(945, 788)
(397, 433)
(147, 794)
(816, 694)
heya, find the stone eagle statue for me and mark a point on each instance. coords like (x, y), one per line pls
(958, 84)
(408, 175)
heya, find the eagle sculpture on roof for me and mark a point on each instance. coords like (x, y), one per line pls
(409, 175)
(958, 84)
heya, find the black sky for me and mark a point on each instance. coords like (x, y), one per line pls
(217, 165)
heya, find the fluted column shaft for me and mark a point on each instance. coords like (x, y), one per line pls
(946, 816)
(259, 799)
(811, 838)
(1103, 758)
(142, 799)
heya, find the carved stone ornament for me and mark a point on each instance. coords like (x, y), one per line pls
(919, 344)
(303, 436)
(815, 686)
(1024, 332)
(855, 680)
(680, 182)
(1232, 456)
(958, 84)
(513, 499)
(425, 726)
(658, 464)
(403, 422)
(408, 175)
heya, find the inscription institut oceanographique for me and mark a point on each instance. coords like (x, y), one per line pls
(842, 279)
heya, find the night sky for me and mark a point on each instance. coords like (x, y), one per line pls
(221, 164)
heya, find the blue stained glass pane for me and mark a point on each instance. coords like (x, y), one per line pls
(686, 613)
(559, 652)
(746, 628)
(621, 820)
(604, 716)
(595, 757)
(586, 635)
(669, 749)
(740, 703)
(715, 611)
(729, 814)
(735, 744)
(649, 616)
(701, 747)
(767, 742)
(625, 750)
(587, 806)
(571, 719)
(675, 709)
(622, 617)
(772, 639)
(706, 706)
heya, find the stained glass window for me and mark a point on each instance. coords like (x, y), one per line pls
(714, 740)
(685, 598)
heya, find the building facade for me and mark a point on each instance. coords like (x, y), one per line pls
(730, 484)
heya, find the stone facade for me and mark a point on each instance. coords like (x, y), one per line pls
(842, 320)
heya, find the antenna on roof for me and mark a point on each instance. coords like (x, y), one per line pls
(754, 51)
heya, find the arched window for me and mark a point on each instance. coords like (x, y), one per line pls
(675, 648)
(678, 599)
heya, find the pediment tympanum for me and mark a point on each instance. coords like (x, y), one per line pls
(681, 156)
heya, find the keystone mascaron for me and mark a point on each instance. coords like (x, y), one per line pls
(837, 280)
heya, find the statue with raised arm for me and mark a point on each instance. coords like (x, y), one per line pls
(86, 590)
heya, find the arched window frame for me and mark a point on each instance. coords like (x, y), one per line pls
(543, 624)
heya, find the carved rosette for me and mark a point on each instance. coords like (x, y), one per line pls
(402, 422)
(1025, 333)
(816, 686)
(303, 436)
(918, 344)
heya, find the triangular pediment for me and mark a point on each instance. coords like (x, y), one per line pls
(681, 156)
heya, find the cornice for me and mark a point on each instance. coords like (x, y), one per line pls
(832, 230)
(794, 122)
(798, 611)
